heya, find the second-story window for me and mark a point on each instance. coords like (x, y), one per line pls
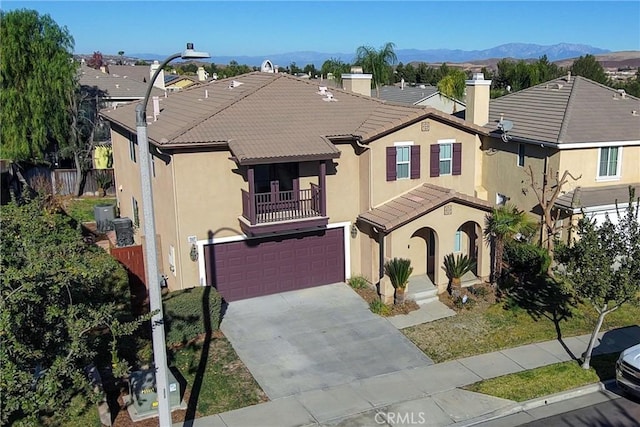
(446, 158)
(403, 161)
(609, 166)
(132, 148)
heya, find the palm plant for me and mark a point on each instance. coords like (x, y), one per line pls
(504, 222)
(453, 85)
(455, 268)
(103, 181)
(378, 62)
(399, 270)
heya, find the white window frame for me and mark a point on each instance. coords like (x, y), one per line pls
(616, 177)
(450, 143)
(521, 156)
(407, 145)
(457, 241)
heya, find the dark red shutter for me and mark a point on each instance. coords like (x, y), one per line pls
(391, 164)
(457, 159)
(415, 162)
(434, 161)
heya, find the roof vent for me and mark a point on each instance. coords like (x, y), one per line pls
(322, 90)
(622, 93)
(329, 97)
(556, 86)
(234, 83)
(634, 113)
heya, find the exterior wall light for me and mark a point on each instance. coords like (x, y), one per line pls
(193, 254)
(354, 231)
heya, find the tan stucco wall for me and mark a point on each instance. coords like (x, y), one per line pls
(585, 162)
(383, 190)
(501, 173)
(442, 103)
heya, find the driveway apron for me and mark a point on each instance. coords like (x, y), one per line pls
(315, 338)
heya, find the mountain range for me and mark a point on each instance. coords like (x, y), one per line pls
(511, 50)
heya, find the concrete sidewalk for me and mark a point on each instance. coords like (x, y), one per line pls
(427, 395)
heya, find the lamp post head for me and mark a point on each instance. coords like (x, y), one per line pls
(190, 53)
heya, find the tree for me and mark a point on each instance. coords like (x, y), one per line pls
(336, 67)
(59, 295)
(504, 222)
(587, 66)
(547, 193)
(378, 62)
(97, 61)
(35, 88)
(310, 70)
(453, 85)
(604, 264)
(121, 55)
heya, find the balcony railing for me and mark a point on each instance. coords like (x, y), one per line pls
(279, 206)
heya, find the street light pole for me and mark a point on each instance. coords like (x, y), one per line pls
(151, 252)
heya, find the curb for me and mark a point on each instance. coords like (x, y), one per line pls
(538, 402)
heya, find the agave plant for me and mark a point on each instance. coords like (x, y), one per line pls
(399, 270)
(455, 267)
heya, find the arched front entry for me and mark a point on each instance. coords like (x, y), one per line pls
(423, 247)
(468, 240)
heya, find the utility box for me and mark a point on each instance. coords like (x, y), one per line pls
(124, 231)
(143, 394)
(104, 216)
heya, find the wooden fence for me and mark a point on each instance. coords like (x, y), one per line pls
(63, 181)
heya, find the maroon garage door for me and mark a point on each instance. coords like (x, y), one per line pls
(256, 267)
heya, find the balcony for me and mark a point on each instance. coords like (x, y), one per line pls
(277, 211)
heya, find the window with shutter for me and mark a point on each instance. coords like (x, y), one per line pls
(457, 159)
(415, 162)
(391, 163)
(434, 160)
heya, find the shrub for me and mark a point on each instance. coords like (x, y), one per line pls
(456, 267)
(526, 259)
(398, 270)
(358, 282)
(378, 307)
(459, 304)
(191, 312)
(479, 291)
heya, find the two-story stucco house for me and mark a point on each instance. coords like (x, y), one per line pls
(266, 183)
(570, 123)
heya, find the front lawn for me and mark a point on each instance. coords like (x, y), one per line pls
(492, 327)
(548, 380)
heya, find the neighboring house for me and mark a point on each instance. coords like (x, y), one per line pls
(266, 183)
(115, 89)
(424, 95)
(570, 123)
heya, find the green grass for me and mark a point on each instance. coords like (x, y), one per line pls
(226, 383)
(82, 209)
(547, 380)
(493, 328)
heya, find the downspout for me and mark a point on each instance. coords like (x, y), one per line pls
(544, 192)
(370, 195)
(381, 255)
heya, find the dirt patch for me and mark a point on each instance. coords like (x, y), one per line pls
(370, 294)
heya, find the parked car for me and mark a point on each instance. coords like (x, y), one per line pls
(628, 370)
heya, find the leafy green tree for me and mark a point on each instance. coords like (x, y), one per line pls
(294, 69)
(378, 62)
(37, 77)
(59, 296)
(453, 85)
(310, 70)
(587, 66)
(504, 222)
(121, 55)
(336, 67)
(426, 74)
(631, 86)
(604, 264)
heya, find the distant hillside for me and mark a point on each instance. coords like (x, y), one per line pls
(511, 50)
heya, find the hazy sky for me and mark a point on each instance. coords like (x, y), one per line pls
(271, 27)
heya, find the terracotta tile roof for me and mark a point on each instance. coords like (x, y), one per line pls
(596, 196)
(415, 203)
(568, 111)
(265, 117)
(115, 86)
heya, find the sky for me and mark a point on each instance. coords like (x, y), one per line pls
(261, 28)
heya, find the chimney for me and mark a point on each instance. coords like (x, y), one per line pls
(478, 91)
(103, 69)
(202, 74)
(159, 83)
(402, 84)
(568, 76)
(156, 108)
(357, 82)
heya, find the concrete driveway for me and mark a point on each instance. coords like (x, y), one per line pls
(315, 338)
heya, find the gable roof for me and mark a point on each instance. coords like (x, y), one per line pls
(411, 95)
(267, 117)
(140, 73)
(565, 111)
(415, 203)
(114, 86)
